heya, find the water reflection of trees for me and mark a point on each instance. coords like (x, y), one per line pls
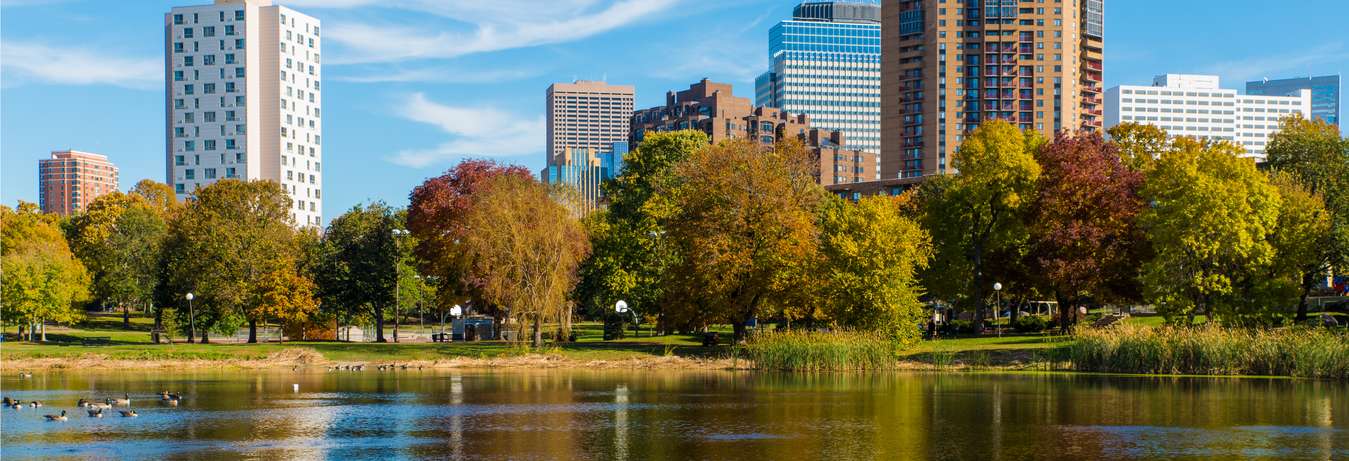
(699, 415)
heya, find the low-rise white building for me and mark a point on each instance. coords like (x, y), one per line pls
(1197, 106)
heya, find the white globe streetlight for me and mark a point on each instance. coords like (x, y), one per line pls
(191, 318)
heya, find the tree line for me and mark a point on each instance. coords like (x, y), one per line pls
(696, 234)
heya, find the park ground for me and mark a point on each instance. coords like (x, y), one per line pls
(102, 342)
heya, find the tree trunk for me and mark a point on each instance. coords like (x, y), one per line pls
(126, 316)
(159, 318)
(252, 331)
(204, 340)
(1307, 281)
(1066, 311)
(379, 324)
(42, 325)
(538, 332)
(396, 322)
(21, 336)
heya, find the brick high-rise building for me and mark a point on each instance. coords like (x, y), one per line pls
(70, 180)
(587, 115)
(244, 99)
(712, 108)
(949, 65)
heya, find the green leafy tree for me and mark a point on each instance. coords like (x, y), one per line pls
(1317, 158)
(978, 212)
(40, 279)
(742, 218)
(359, 265)
(523, 249)
(1209, 223)
(1139, 144)
(631, 254)
(1303, 242)
(870, 254)
(230, 235)
(120, 238)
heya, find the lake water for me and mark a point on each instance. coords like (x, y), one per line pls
(657, 415)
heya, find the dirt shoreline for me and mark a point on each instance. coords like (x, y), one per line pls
(296, 359)
(310, 359)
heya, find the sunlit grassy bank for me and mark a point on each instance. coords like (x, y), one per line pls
(1315, 353)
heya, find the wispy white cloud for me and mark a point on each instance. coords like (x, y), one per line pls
(437, 75)
(475, 132)
(9, 3)
(491, 26)
(22, 62)
(1243, 70)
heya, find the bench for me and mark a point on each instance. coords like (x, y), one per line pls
(91, 340)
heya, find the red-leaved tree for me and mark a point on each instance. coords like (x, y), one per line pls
(1084, 236)
(436, 218)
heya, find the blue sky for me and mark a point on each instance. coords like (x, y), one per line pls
(411, 86)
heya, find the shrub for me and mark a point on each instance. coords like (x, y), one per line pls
(820, 351)
(1213, 350)
(958, 327)
(1030, 324)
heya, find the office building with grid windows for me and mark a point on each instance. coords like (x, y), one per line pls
(1325, 93)
(825, 62)
(1197, 106)
(244, 99)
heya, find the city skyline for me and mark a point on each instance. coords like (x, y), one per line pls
(398, 115)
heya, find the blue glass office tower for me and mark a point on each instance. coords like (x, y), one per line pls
(1325, 93)
(825, 62)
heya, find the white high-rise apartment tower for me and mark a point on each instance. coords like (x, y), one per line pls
(244, 99)
(1196, 106)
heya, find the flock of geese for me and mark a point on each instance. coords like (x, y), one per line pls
(95, 408)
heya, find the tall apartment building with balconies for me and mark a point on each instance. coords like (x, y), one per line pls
(70, 180)
(949, 65)
(1197, 106)
(587, 115)
(825, 62)
(244, 99)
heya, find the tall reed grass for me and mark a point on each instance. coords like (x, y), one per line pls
(1212, 350)
(820, 351)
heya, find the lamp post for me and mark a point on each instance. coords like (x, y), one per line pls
(191, 319)
(997, 289)
(397, 291)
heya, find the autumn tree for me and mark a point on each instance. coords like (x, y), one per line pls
(1210, 217)
(230, 235)
(1083, 221)
(360, 264)
(436, 217)
(743, 216)
(978, 212)
(630, 252)
(40, 279)
(870, 254)
(522, 249)
(1316, 158)
(1303, 241)
(284, 294)
(119, 238)
(1139, 144)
